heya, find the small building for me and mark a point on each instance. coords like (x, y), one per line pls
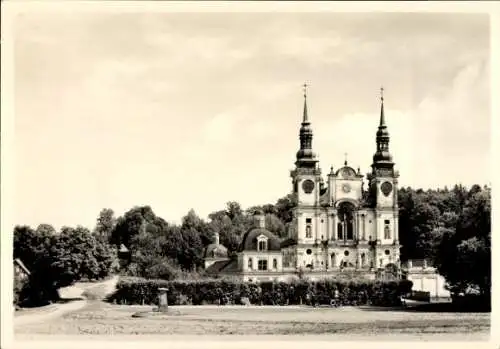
(215, 252)
(20, 270)
(124, 256)
(425, 278)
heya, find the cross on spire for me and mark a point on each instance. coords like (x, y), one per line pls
(382, 94)
(345, 161)
(304, 88)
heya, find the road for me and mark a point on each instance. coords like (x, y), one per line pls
(76, 292)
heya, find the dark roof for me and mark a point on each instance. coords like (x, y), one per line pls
(288, 242)
(223, 266)
(214, 251)
(249, 241)
(22, 266)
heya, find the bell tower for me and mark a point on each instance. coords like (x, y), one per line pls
(307, 184)
(306, 176)
(383, 184)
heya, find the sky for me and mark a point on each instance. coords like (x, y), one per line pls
(191, 110)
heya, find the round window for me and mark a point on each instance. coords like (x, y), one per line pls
(387, 252)
(346, 253)
(308, 251)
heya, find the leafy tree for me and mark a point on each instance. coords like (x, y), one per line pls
(45, 229)
(105, 224)
(130, 224)
(58, 260)
(275, 225)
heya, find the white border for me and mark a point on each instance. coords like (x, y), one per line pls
(11, 9)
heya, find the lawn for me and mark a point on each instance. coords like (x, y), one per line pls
(99, 318)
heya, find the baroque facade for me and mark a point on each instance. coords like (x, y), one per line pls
(338, 226)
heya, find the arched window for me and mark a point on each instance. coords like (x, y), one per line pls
(250, 263)
(275, 263)
(387, 229)
(346, 216)
(262, 245)
(308, 232)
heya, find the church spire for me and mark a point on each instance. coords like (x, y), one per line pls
(305, 119)
(382, 155)
(305, 155)
(382, 115)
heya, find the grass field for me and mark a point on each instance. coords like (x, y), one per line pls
(102, 319)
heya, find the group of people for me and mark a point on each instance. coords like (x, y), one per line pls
(312, 299)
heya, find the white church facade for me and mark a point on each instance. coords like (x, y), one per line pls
(339, 227)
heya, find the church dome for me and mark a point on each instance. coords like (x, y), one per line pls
(215, 251)
(249, 241)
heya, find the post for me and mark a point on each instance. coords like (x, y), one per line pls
(162, 299)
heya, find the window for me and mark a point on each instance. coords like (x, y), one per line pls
(387, 231)
(308, 251)
(275, 263)
(340, 235)
(262, 245)
(346, 253)
(387, 221)
(250, 263)
(387, 252)
(262, 264)
(308, 220)
(308, 232)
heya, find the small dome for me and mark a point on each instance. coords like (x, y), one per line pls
(249, 241)
(215, 251)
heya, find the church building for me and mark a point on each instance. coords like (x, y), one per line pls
(338, 225)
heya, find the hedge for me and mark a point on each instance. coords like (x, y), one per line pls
(131, 290)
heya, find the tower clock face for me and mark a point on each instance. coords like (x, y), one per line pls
(346, 188)
(308, 186)
(386, 188)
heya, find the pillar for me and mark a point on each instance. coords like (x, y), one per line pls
(334, 230)
(162, 299)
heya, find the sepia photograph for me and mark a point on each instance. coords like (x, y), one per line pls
(228, 172)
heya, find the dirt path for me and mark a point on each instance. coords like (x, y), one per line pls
(79, 292)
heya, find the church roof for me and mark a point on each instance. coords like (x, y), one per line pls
(21, 265)
(249, 241)
(225, 266)
(215, 250)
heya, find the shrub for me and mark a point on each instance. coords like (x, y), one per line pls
(132, 290)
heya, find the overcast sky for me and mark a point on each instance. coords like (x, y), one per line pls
(191, 110)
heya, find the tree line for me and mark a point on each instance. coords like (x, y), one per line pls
(450, 227)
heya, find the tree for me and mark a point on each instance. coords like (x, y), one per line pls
(58, 260)
(463, 251)
(105, 224)
(192, 221)
(45, 229)
(130, 224)
(275, 225)
(284, 208)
